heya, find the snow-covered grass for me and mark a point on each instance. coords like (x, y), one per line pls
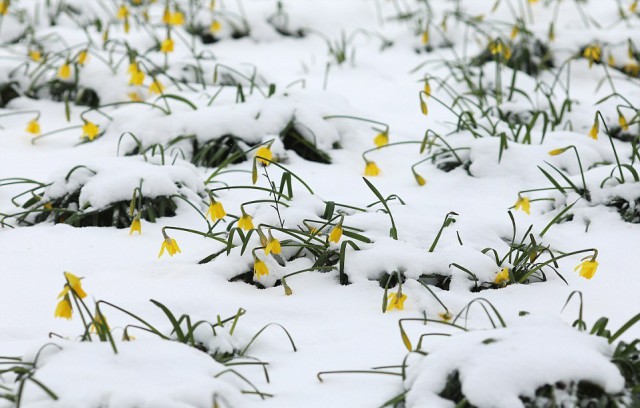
(374, 203)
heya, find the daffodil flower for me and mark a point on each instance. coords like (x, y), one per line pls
(90, 130)
(587, 268)
(74, 283)
(593, 133)
(502, 276)
(419, 179)
(35, 55)
(123, 12)
(167, 45)
(64, 72)
(264, 155)
(216, 211)
(215, 26)
(135, 226)
(170, 245)
(245, 221)
(396, 301)
(336, 233)
(259, 267)
(382, 139)
(176, 18)
(273, 246)
(137, 77)
(33, 127)
(523, 203)
(64, 309)
(82, 57)
(156, 87)
(371, 169)
(623, 122)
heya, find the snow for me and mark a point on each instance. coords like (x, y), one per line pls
(334, 326)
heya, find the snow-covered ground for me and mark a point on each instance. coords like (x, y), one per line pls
(461, 147)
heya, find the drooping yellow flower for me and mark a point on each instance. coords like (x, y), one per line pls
(82, 57)
(156, 87)
(170, 245)
(176, 18)
(264, 154)
(167, 45)
(166, 16)
(136, 226)
(514, 32)
(137, 77)
(74, 283)
(587, 268)
(64, 72)
(593, 53)
(123, 12)
(424, 108)
(64, 309)
(33, 127)
(336, 234)
(216, 211)
(215, 26)
(371, 169)
(523, 203)
(35, 55)
(502, 276)
(396, 301)
(4, 7)
(593, 133)
(623, 122)
(425, 37)
(381, 139)
(90, 130)
(419, 179)
(259, 267)
(273, 246)
(427, 88)
(134, 96)
(245, 222)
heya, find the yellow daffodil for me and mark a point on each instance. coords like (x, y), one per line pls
(425, 37)
(82, 57)
(245, 222)
(593, 53)
(215, 26)
(381, 139)
(523, 203)
(176, 18)
(166, 16)
(156, 87)
(499, 48)
(264, 154)
(136, 226)
(336, 233)
(134, 96)
(35, 55)
(259, 267)
(514, 32)
(90, 130)
(64, 72)
(371, 169)
(502, 276)
(137, 78)
(424, 108)
(427, 88)
(216, 211)
(587, 268)
(419, 179)
(170, 245)
(133, 67)
(4, 7)
(167, 45)
(74, 283)
(396, 301)
(623, 122)
(33, 127)
(64, 309)
(556, 152)
(123, 12)
(593, 133)
(273, 246)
